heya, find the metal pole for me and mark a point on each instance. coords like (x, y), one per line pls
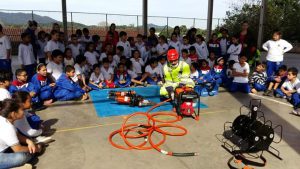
(218, 22)
(263, 9)
(64, 17)
(72, 22)
(167, 27)
(194, 22)
(106, 22)
(32, 17)
(145, 17)
(209, 18)
(137, 24)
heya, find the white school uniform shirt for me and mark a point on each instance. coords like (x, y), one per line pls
(162, 48)
(183, 46)
(78, 71)
(153, 72)
(224, 42)
(211, 63)
(76, 49)
(55, 69)
(86, 39)
(139, 45)
(176, 45)
(188, 60)
(41, 52)
(240, 69)
(137, 65)
(127, 48)
(96, 79)
(145, 55)
(201, 50)
(8, 134)
(69, 62)
(288, 85)
(194, 75)
(4, 46)
(91, 57)
(113, 64)
(25, 54)
(61, 46)
(107, 73)
(102, 56)
(116, 58)
(4, 94)
(132, 74)
(276, 49)
(51, 46)
(234, 51)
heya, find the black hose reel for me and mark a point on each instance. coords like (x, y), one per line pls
(251, 133)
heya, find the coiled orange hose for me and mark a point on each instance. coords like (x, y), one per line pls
(145, 130)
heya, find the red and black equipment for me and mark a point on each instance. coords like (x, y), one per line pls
(187, 102)
(129, 98)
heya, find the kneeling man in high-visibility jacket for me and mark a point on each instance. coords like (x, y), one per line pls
(176, 74)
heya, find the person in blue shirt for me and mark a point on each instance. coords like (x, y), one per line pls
(121, 77)
(66, 88)
(43, 85)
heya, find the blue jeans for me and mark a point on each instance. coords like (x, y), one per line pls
(242, 87)
(10, 160)
(296, 100)
(272, 67)
(259, 87)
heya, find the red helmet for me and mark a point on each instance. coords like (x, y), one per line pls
(172, 55)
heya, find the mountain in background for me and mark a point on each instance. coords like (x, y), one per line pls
(22, 19)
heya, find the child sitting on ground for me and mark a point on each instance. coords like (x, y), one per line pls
(195, 74)
(240, 75)
(122, 78)
(135, 79)
(218, 71)
(295, 100)
(119, 53)
(290, 85)
(5, 78)
(229, 78)
(137, 62)
(153, 74)
(276, 81)
(108, 74)
(211, 59)
(81, 71)
(259, 78)
(204, 67)
(67, 89)
(193, 54)
(96, 78)
(55, 66)
(21, 84)
(43, 85)
(30, 124)
(185, 56)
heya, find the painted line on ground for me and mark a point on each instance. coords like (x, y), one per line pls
(118, 123)
(273, 100)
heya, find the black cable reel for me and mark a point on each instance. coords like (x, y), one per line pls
(250, 132)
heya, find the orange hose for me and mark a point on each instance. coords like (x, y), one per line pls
(145, 130)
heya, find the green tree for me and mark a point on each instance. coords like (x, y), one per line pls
(281, 15)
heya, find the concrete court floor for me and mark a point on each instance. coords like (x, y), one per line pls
(82, 137)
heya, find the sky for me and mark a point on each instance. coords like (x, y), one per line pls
(174, 8)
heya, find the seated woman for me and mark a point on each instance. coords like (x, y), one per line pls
(153, 74)
(15, 149)
(122, 78)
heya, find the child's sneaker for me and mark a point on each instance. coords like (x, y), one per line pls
(278, 96)
(25, 166)
(43, 139)
(296, 111)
